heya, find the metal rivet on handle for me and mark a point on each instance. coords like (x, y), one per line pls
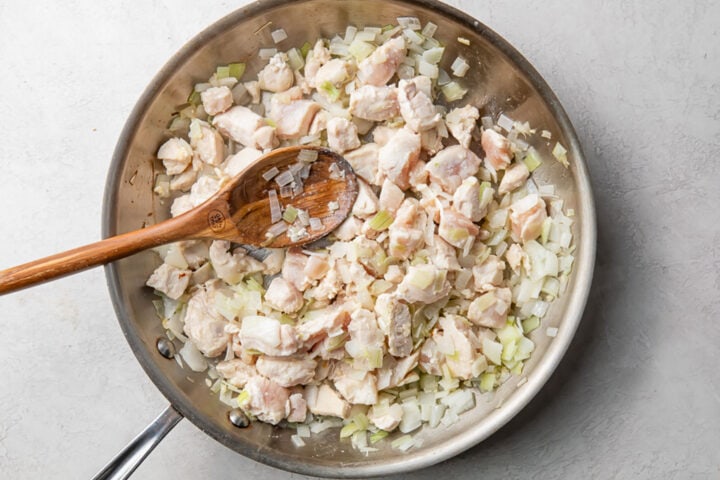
(238, 418)
(165, 347)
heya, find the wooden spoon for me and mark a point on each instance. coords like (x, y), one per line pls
(239, 212)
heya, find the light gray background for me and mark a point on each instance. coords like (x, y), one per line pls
(638, 395)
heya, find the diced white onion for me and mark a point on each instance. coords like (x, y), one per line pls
(412, 23)
(267, 53)
(505, 122)
(275, 211)
(270, 174)
(278, 35)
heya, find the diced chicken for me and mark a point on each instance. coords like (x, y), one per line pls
(515, 256)
(431, 140)
(204, 188)
(201, 275)
(287, 371)
(315, 59)
(382, 134)
(405, 234)
(241, 160)
(526, 218)
(497, 150)
(355, 387)
(203, 324)
(394, 319)
(236, 372)
(374, 103)
(328, 287)
(267, 399)
(207, 142)
(195, 252)
(450, 166)
(430, 359)
(461, 122)
(277, 76)
(418, 174)
(216, 100)
(366, 203)
(293, 119)
(316, 267)
(293, 269)
(468, 202)
(386, 417)
(364, 161)
(455, 334)
(342, 135)
(328, 323)
(394, 274)
(239, 123)
(444, 255)
(169, 280)
(327, 401)
(349, 229)
(489, 274)
(282, 295)
(416, 106)
(274, 261)
(335, 73)
(268, 336)
(265, 137)
(366, 340)
(319, 122)
(514, 177)
(181, 205)
(396, 373)
(491, 309)
(183, 181)
(378, 68)
(391, 197)
(176, 154)
(423, 284)
(397, 157)
(456, 229)
(232, 267)
(253, 88)
(296, 408)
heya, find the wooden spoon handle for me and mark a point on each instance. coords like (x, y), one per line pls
(97, 253)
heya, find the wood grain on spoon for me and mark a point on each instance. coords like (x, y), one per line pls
(239, 212)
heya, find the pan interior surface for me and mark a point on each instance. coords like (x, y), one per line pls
(499, 81)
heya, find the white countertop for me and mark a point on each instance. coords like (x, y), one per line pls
(638, 395)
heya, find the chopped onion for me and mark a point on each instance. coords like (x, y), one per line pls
(315, 224)
(551, 332)
(560, 153)
(453, 91)
(278, 35)
(295, 59)
(546, 134)
(505, 122)
(275, 211)
(429, 29)
(267, 53)
(463, 40)
(350, 32)
(284, 178)
(459, 67)
(412, 23)
(270, 174)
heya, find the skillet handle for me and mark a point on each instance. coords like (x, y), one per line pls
(125, 463)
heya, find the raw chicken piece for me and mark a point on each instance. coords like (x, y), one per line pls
(316, 267)
(241, 160)
(195, 252)
(181, 205)
(232, 267)
(349, 229)
(450, 166)
(395, 373)
(394, 319)
(491, 309)
(455, 333)
(236, 372)
(183, 181)
(416, 105)
(328, 287)
(386, 417)
(335, 73)
(456, 229)
(282, 295)
(374, 103)
(293, 119)
(176, 154)
(203, 324)
(253, 88)
(468, 202)
(430, 359)
(342, 135)
(265, 137)
(489, 274)
(366, 203)
(461, 122)
(326, 401)
(207, 142)
(514, 177)
(405, 233)
(526, 218)
(239, 123)
(364, 161)
(216, 100)
(397, 157)
(287, 371)
(267, 399)
(293, 269)
(444, 255)
(355, 387)
(381, 65)
(329, 322)
(423, 284)
(497, 150)
(296, 408)
(366, 341)
(418, 174)
(319, 122)
(391, 197)
(382, 134)
(277, 76)
(431, 140)
(515, 256)
(394, 274)
(268, 336)
(204, 188)
(315, 59)
(274, 261)
(169, 280)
